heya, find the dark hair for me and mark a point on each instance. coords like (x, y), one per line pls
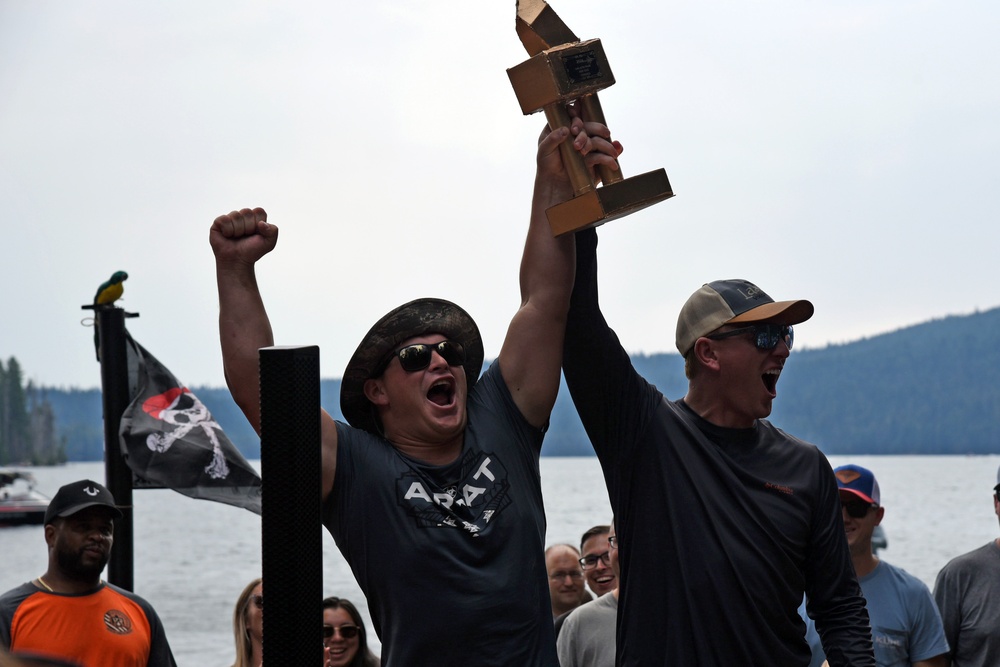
(596, 530)
(364, 657)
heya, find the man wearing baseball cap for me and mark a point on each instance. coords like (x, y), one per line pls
(725, 521)
(432, 492)
(967, 591)
(69, 613)
(906, 624)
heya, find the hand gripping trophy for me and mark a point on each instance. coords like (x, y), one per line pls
(562, 70)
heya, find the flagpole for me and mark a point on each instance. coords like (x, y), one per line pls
(115, 397)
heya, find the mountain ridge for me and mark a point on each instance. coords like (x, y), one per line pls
(926, 388)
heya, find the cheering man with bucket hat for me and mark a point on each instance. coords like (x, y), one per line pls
(432, 492)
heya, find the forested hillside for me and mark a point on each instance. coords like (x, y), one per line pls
(926, 389)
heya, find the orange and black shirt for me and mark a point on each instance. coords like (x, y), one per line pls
(105, 626)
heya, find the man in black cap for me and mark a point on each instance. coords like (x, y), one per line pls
(724, 520)
(432, 493)
(69, 613)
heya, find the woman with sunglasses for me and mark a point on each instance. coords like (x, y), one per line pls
(344, 635)
(248, 625)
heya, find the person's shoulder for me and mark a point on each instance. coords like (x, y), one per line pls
(129, 595)
(902, 578)
(972, 559)
(18, 593)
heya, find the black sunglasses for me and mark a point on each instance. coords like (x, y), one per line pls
(417, 357)
(857, 508)
(258, 601)
(765, 336)
(346, 631)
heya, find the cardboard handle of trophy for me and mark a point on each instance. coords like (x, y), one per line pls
(579, 177)
(592, 110)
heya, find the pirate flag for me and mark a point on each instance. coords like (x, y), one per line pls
(169, 439)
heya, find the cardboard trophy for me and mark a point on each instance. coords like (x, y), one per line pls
(562, 69)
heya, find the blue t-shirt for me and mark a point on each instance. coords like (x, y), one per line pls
(906, 625)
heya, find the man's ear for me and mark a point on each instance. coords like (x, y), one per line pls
(705, 354)
(375, 392)
(50, 534)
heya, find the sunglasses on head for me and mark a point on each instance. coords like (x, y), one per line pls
(857, 508)
(346, 631)
(417, 357)
(765, 336)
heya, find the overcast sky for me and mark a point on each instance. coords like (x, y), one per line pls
(844, 152)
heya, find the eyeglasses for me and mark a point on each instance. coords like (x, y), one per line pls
(417, 357)
(590, 560)
(858, 508)
(765, 336)
(258, 601)
(346, 631)
(562, 574)
(613, 541)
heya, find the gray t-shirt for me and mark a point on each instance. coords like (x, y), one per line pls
(587, 638)
(450, 558)
(967, 592)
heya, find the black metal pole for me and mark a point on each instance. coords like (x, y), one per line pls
(115, 395)
(291, 532)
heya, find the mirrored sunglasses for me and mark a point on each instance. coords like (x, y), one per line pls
(417, 357)
(765, 336)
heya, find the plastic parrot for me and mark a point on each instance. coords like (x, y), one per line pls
(109, 292)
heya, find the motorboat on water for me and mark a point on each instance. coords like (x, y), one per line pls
(20, 503)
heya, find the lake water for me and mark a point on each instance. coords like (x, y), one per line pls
(193, 557)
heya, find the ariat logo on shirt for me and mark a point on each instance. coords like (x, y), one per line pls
(117, 622)
(470, 504)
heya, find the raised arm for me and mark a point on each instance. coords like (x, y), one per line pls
(238, 240)
(531, 356)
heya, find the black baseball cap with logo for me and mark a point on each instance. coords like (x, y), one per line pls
(77, 496)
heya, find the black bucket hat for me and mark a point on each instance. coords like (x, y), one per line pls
(416, 318)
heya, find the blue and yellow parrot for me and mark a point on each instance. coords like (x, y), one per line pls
(109, 292)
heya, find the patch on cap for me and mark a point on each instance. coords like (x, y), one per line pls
(858, 481)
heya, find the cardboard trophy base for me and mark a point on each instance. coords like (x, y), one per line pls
(608, 202)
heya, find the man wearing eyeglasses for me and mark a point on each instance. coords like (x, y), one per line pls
(432, 492)
(725, 520)
(906, 625)
(967, 591)
(595, 558)
(587, 638)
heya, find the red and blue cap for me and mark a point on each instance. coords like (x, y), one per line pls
(857, 481)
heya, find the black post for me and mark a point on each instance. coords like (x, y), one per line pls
(291, 544)
(114, 389)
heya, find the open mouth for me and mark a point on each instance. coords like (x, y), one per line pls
(770, 379)
(442, 392)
